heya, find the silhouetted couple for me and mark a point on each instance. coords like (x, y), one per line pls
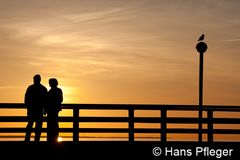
(40, 102)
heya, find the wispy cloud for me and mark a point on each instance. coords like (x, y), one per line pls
(232, 40)
(10, 87)
(82, 17)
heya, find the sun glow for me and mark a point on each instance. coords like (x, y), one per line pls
(60, 139)
(69, 94)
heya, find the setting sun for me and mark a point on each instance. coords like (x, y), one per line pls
(60, 139)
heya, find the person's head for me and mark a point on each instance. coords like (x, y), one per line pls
(37, 79)
(53, 82)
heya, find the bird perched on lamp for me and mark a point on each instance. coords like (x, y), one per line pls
(201, 38)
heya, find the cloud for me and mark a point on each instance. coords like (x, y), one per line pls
(10, 87)
(232, 40)
(83, 17)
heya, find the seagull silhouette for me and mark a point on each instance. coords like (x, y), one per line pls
(201, 38)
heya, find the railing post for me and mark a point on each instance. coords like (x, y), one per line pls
(210, 125)
(131, 124)
(75, 124)
(163, 125)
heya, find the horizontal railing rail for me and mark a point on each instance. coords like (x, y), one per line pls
(164, 120)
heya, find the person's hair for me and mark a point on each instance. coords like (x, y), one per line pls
(37, 78)
(53, 82)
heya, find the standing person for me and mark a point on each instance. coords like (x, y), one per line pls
(55, 98)
(35, 101)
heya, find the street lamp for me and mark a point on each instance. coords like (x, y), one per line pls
(201, 48)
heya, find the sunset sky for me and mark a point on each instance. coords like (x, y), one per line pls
(121, 51)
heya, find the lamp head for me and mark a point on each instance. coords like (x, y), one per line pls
(201, 47)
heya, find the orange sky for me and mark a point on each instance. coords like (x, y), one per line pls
(113, 51)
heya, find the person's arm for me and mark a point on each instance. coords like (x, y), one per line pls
(61, 95)
(45, 105)
(60, 99)
(27, 97)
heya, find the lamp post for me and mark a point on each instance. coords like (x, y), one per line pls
(201, 48)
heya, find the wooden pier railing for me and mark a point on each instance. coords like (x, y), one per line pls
(209, 120)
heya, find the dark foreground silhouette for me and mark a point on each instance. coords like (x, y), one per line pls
(35, 101)
(40, 102)
(55, 98)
